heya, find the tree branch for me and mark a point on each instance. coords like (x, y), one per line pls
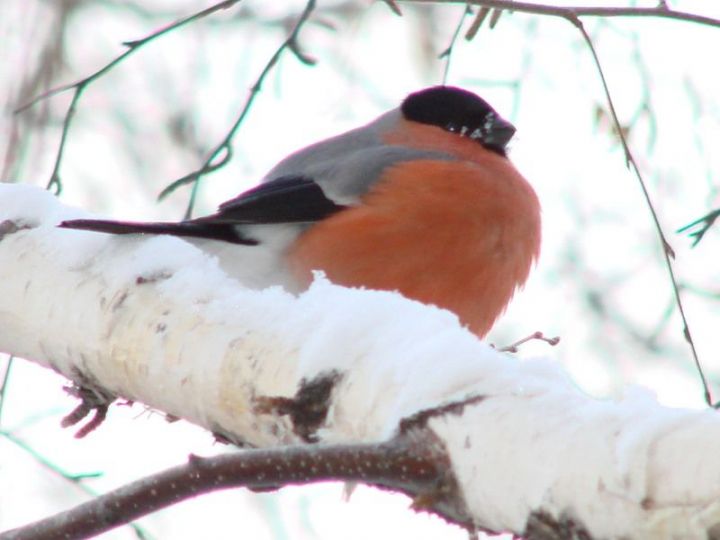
(413, 463)
(667, 251)
(568, 12)
(55, 182)
(573, 14)
(156, 321)
(447, 53)
(222, 153)
(701, 225)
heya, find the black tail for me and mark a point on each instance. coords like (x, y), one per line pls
(212, 231)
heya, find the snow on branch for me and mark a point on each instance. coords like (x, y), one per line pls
(155, 320)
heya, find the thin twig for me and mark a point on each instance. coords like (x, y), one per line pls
(222, 153)
(55, 182)
(4, 385)
(584, 11)
(478, 21)
(392, 4)
(76, 479)
(667, 250)
(408, 463)
(447, 53)
(704, 223)
(51, 466)
(539, 336)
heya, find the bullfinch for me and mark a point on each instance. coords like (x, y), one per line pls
(422, 200)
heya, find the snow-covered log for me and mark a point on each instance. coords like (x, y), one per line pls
(156, 321)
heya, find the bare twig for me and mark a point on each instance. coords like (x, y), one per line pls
(646, 109)
(584, 11)
(704, 223)
(495, 17)
(410, 463)
(478, 21)
(667, 250)
(75, 478)
(539, 336)
(55, 182)
(4, 385)
(392, 4)
(447, 53)
(573, 14)
(93, 400)
(222, 153)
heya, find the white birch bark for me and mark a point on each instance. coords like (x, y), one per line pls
(156, 321)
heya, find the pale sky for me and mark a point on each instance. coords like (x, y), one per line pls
(598, 240)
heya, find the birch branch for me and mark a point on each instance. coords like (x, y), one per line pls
(155, 320)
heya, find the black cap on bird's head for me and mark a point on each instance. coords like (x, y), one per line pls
(461, 112)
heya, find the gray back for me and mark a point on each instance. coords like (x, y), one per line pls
(347, 165)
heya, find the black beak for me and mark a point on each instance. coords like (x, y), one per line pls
(499, 132)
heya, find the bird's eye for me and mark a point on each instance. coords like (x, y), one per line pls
(461, 130)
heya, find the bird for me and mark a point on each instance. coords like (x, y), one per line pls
(422, 200)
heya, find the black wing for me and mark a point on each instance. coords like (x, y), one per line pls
(289, 199)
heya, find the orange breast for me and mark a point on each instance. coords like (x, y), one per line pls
(454, 234)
